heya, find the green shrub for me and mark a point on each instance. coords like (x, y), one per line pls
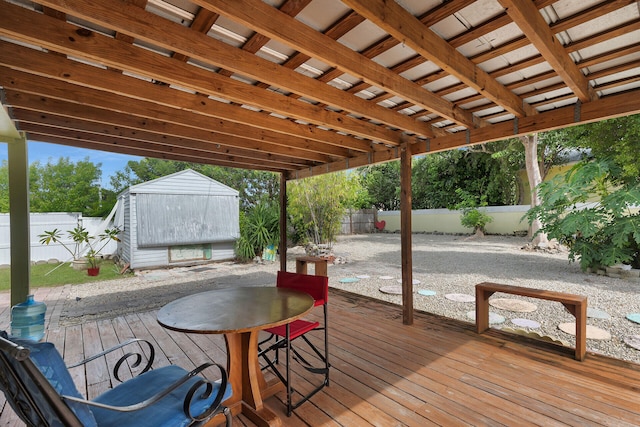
(259, 228)
(473, 218)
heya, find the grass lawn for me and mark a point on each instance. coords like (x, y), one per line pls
(45, 275)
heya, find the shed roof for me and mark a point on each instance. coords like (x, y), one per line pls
(311, 86)
(185, 182)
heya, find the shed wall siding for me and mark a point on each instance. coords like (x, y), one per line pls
(124, 246)
(213, 211)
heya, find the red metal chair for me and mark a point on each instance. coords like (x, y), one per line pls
(284, 335)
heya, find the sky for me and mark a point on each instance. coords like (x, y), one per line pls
(43, 152)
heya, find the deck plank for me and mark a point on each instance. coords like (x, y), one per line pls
(435, 372)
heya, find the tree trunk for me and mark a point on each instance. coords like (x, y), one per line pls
(530, 143)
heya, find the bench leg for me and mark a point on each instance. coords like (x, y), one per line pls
(482, 310)
(579, 311)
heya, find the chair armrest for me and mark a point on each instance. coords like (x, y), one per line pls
(188, 400)
(137, 356)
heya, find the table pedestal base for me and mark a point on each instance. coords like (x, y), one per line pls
(249, 385)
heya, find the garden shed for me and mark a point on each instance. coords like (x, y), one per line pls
(179, 219)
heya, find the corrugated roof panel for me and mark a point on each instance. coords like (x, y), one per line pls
(494, 64)
(564, 8)
(595, 26)
(625, 40)
(317, 65)
(321, 14)
(480, 12)
(394, 56)
(362, 36)
(627, 59)
(178, 7)
(424, 69)
(449, 27)
(460, 94)
(441, 83)
(230, 32)
(419, 7)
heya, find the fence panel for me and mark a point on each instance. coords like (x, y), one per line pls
(358, 222)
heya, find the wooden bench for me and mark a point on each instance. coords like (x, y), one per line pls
(320, 265)
(576, 304)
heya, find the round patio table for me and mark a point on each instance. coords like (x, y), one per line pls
(240, 314)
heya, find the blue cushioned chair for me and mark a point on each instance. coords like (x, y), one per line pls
(39, 388)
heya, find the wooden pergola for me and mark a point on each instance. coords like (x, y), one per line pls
(304, 87)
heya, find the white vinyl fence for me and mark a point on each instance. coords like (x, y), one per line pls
(41, 222)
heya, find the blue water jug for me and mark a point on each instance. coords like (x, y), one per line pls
(27, 319)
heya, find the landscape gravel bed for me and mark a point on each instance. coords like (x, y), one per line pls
(442, 265)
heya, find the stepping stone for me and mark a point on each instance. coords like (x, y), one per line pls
(526, 323)
(363, 276)
(426, 292)
(634, 317)
(494, 318)
(593, 332)
(386, 277)
(415, 281)
(512, 304)
(348, 280)
(633, 341)
(392, 290)
(460, 297)
(595, 313)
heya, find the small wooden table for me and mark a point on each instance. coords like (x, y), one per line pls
(320, 265)
(240, 314)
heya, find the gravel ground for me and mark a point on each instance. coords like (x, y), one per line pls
(444, 264)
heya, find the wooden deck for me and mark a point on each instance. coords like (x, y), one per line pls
(435, 372)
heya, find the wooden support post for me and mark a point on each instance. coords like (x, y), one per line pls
(19, 220)
(405, 234)
(282, 248)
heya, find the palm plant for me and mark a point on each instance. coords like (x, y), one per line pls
(259, 228)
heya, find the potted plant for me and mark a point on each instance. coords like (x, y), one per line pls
(79, 235)
(92, 259)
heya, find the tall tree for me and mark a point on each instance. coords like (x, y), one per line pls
(616, 139)
(441, 179)
(316, 205)
(530, 143)
(65, 186)
(382, 185)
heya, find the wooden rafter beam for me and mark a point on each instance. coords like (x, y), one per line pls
(91, 142)
(57, 69)
(57, 126)
(267, 20)
(154, 29)
(530, 21)
(31, 27)
(398, 22)
(202, 23)
(116, 104)
(110, 123)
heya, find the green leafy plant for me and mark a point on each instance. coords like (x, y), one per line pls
(80, 236)
(472, 217)
(317, 204)
(259, 228)
(594, 213)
